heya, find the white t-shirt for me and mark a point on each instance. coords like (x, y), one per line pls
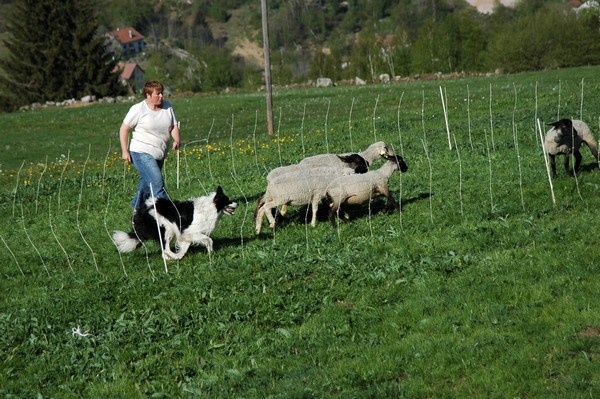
(150, 128)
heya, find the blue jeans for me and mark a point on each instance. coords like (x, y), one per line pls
(150, 176)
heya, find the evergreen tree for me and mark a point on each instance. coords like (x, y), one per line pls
(55, 53)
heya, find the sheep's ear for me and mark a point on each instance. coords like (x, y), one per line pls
(562, 122)
(345, 158)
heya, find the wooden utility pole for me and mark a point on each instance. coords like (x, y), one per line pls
(267, 53)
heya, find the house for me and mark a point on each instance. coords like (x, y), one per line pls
(132, 76)
(128, 40)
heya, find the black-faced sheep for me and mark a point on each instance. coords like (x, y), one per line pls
(371, 154)
(355, 162)
(566, 137)
(360, 189)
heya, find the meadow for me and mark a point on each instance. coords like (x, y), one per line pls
(485, 285)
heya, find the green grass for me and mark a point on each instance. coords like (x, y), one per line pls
(481, 287)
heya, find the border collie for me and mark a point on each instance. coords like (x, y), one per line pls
(188, 222)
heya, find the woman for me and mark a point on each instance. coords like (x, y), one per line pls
(153, 122)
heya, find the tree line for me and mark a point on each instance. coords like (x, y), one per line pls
(56, 49)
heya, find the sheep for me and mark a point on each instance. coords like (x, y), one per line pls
(350, 161)
(371, 154)
(296, 188)
(359, 189)
(324, 82)
(566, 137)
(348, 164)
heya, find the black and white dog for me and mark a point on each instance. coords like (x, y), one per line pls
(188, 222)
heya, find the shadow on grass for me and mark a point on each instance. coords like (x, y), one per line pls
(303, 215)
(591, 167)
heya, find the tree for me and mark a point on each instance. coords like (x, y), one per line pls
(55, 54)
(462, 42)
(425, 52)
(546, 39)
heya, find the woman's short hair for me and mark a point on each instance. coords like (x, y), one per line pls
(152, 85)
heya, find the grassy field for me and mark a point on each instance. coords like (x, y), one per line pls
(484, 286)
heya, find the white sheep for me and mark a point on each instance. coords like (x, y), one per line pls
(347, 164)
(371, 154)
(296, 188)
(360, 189)
(355, 162)
(566, 137)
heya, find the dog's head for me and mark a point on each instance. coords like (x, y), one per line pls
(223, 203)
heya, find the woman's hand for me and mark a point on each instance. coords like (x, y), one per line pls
(126, 156)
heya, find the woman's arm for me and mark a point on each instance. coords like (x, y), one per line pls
(124, 139)
(175, 133)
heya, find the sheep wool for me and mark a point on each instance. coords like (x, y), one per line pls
(565, 138)
(296, 188)
(360, 189)
(371, 154)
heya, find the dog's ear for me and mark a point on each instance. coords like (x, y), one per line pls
(219, 190)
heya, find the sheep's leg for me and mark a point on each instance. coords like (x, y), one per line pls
(553, 165)
(594, 150)
(333, 217)
(259, 204)
(267, 211)
(278, 215)
(259, 218)
(391, 203)
(332, 212)
(342, 211)
(578, 157)
(567, 168)
(315, 207)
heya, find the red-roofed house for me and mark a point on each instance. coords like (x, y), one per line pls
(132, 76)
(130, 40)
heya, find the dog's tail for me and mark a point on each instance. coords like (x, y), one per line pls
(125, 242)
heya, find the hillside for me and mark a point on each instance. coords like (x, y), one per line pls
(222, 41)
(243, 40)
(487, 6)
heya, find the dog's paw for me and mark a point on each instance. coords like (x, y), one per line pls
(170, 256)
